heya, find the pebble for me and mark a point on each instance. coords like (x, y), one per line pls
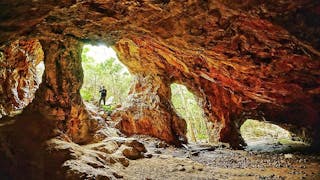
(161, 145)
(148, 155)
(117, 175)
(288, 156)
(181, 168)
(195, 153)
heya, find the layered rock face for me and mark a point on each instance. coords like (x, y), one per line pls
(242, 59)
(149, 111)
(19, 77)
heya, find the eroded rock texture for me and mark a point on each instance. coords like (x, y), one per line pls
(244, 59)
(18, 75)
(149, 111)
(59, 97)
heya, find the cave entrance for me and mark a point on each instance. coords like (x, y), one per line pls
(101, 67)
(187, 107)
(264, 136)
(39, 71)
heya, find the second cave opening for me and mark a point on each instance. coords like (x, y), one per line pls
(267, 137)
(186, 105)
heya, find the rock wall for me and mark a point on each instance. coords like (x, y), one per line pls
(18, 75)
(255, 85)
(148, 110)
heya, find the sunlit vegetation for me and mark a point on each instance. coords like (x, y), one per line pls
(101, 67)
(253, 130)
(187, 107)
(40, 70)
(267, 137)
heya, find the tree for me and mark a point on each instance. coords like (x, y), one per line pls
(110, 73)
(187, 107)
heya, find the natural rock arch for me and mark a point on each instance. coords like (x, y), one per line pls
(241, 64)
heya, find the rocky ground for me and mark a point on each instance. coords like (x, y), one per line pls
(125, 158)
(220, 162)
(114, 156)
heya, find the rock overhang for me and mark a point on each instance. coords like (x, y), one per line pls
(240, 63)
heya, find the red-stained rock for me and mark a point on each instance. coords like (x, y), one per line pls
(59, 98)
(235, 58)
(242, 59)
(231, 90)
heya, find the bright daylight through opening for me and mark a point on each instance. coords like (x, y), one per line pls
(187, 107)
(101, 67)
(264, 136)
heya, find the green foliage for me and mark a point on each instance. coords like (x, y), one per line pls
(108, 108)
(187, 107)
(253, 129)
(86, 94)
(202, 136)
(109, 73)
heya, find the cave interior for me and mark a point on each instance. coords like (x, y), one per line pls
(245, 59)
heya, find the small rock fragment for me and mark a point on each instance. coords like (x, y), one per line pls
(136, 144)
(148, 155)
(125, 162)
(288, 156)
(181, 168)
(117, 175)
(161, 145)
(132, 153)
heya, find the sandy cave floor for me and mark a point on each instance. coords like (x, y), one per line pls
(262, 159)
(203, 162)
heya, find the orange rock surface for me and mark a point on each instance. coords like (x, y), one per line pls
(244, 59)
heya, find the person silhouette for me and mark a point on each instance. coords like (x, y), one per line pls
(103, 94)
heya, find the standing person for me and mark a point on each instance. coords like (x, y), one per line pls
(103, 94)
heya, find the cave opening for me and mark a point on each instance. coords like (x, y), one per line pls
(39, 71)
(268, 137)
(187, 107)
(101, 67)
